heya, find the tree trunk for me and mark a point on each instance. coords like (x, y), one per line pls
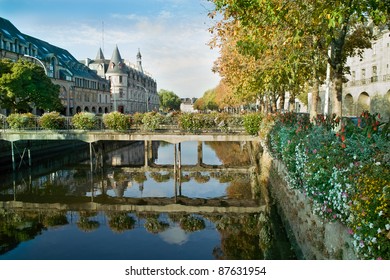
(315, 92)
(291, 102)
(282, 95)
(337, 93)
(274, 100)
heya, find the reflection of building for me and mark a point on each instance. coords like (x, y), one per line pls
(81, 89)
(131, 155)
(132, 89)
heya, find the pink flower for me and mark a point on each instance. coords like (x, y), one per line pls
(314, 151)
(350, 231)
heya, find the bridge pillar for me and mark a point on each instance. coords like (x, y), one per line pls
(13, 156)
(179, 156)
(146, 153)
(90, 157)
(200, 153)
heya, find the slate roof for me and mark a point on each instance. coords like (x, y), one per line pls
(116, 65)
(46, 51)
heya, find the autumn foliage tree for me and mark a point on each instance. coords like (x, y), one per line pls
(273, 46)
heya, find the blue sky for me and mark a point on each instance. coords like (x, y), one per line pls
(171, 34)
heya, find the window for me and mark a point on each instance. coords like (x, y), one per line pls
(374, 77)
(121, 93)
(120, 79)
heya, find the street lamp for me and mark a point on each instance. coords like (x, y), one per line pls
(37, 59)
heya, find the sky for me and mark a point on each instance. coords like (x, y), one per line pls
(172, 35)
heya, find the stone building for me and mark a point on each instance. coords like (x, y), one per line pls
(368, 84)
(132, 89)
(81, 89)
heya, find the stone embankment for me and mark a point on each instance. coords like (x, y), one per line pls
(312, 237)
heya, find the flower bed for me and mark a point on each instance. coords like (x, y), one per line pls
(346, 175)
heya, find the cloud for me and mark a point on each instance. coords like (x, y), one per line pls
(172, 39)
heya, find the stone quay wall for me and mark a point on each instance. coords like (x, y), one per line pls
(312, 237)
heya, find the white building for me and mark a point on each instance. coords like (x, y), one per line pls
(368, 86)
(132, 89)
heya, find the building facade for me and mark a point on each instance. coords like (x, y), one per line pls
(368, 84)
(132, 89)
(99, 86)
(81, 89)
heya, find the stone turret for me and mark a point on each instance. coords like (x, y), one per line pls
(116, 65)
(139, 62)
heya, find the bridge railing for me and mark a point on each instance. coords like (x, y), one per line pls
(33, 123)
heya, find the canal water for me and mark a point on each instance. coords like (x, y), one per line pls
(190, 201)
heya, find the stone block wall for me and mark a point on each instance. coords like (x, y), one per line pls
(312, 237)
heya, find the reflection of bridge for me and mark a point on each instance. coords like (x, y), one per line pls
(167, 206)
(190, 168)
(171, 136)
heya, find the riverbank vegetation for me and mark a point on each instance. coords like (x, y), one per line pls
(345, 174)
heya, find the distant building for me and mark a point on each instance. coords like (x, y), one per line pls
(81, 89)
(132, 90)
(187, 105)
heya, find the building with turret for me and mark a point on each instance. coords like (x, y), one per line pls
(81, 89)
(132, 89)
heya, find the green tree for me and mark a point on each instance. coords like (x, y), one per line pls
(207, 101)
(24, 85)
(169, 100)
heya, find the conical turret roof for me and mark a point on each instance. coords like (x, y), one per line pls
(116, 65)
(100, 55)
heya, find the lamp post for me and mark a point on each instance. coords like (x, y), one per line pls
(37, 59)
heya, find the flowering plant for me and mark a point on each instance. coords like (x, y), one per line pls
(345, 174)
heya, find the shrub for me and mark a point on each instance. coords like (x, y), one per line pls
(18, 121)
(117, 121)
(369, 222)
(152, 120)
(84, 120)
(252, 123)
(191, 122)
(137, 119)
(52, 120)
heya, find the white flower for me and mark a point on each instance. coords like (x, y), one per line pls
(387, 226)
(371, 225)
(380, 213)
(377, 163)
(373, 240)
(379, 230)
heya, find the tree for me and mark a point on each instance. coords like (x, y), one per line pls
(24, 85)
(207, 101)
(288, 41)
(169, 100)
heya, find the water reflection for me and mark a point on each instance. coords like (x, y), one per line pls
(139, 203)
